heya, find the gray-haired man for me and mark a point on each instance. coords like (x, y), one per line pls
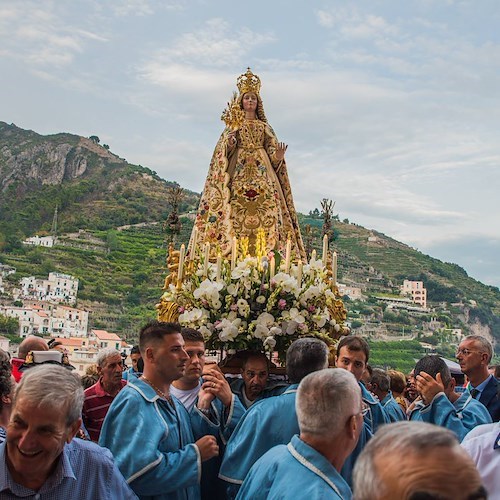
(40, 458)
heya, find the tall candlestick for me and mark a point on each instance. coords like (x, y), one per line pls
(234, 251)
(325, 249)
(206, 258)
(299, 272)
(288, 255)
(194, 240)
(334, 268)
(219, 265)
(272, 267)
(181, 262)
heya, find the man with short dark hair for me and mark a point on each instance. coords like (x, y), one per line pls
(254, 383)
(133, 371)
(41, 459)
(98, 397)
(271, 421)
(380, 385)
(440, 404)
(206, 394)
(415, 460)
(329, 412)
(149, 431)
(474, 355)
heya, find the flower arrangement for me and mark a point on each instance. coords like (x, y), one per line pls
(247, 305)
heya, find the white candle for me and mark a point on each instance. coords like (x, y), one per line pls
(234, 251)
(325, 249)
(194, 238)
(206, 258)
(288, 255)
(219, 266)
(313, 256)
(334, 268)
(272, 267)
(299, 272)
(181, 262)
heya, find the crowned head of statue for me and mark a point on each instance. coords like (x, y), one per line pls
(249, 93)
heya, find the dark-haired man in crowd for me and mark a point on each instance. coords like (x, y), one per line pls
(440, 404)
(380, 385)
(30, 343)
(149, 431)
(254, 383)
(133, 371)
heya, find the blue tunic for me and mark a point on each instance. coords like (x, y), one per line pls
(392, 409)
(376, 415)
(153, 444)
(460, 417)
(220, 423)
(266, 423)
(293, 471)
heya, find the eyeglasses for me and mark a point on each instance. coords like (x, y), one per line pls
(466, 352)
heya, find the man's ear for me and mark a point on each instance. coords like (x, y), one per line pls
(6, 399)
(352, 426)
(73, 430)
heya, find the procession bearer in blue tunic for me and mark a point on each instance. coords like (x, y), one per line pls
(330, 414)
(440, 404)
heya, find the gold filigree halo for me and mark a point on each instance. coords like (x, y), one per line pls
(248, 82)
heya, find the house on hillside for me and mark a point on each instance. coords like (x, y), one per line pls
(41, 241)
(102, 339)
(416, 290)
(57, 288)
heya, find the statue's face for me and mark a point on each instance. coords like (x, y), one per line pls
(250, 101)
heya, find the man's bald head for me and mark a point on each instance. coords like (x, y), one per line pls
(31, 343)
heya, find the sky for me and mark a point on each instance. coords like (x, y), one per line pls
(390, 108)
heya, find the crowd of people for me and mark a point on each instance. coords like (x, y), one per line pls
(175, 427)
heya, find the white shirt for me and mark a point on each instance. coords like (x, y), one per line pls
(484, 448)
(187, 398)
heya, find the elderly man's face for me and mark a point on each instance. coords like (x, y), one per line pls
(35, 438)
(255, 374)
(433, 474)
(111, 371)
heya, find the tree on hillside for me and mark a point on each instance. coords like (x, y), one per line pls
(8, 326)
(95, 139)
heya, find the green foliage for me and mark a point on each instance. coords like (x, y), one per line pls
(8, 326)
(400, 355)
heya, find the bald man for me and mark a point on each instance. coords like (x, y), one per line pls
(30, 343)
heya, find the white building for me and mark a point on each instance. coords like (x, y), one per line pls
(41, 241)
(416, 290)
(353, 292)
(103, 339)
(49, 319)
(4, 343)
(57, 288)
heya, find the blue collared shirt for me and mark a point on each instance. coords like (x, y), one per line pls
(480, 388)
(85, 471)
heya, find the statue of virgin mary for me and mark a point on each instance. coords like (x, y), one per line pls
(247, 191)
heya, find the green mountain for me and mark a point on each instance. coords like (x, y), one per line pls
(121, 272)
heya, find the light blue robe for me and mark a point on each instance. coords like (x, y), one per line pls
(293, 471)
(376, 415)
(220, 423)
(266, 423)
(392, 409)
(153, 445)
(460, 417)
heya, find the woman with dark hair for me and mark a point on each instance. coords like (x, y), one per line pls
(247, 192)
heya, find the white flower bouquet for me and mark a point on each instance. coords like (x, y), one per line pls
(246, 305)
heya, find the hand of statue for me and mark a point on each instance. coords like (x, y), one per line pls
(215, 383)
(428, 387)
(280, 150)
(231, 139)
(208, 447)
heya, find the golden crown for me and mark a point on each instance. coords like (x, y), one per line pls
(248, 82)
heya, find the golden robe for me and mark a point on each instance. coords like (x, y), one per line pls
(247, 189)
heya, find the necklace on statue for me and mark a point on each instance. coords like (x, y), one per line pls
(167, 397)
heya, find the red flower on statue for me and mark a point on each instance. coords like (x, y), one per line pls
(251, 194)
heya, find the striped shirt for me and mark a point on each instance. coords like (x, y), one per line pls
(95, 406)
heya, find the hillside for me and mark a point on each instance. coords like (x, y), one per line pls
(121, 272)
(91, 187)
